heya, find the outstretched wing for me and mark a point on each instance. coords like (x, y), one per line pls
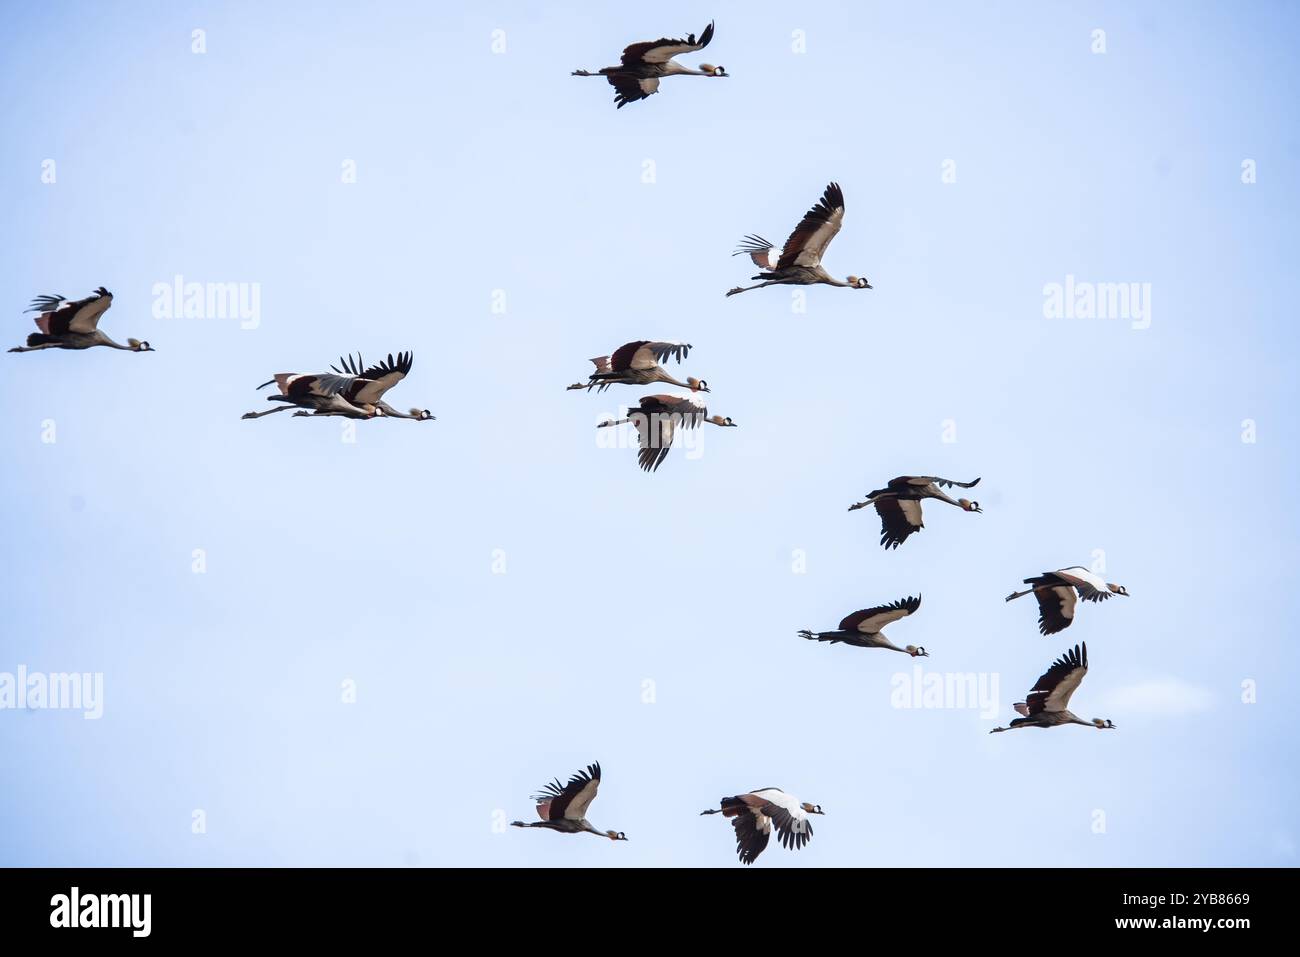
(1053, 690)
(869, 621)
(556, 801)
(657, 420)
(815, 231)
(1090, 585)
(792, 825)
(655, 435)
(899, 518)
(1055, 608)
(59, 316)
(381, 376)
(753, 828)
(629, 89)
(644, 354)
(758, 249)
(943, 482)
(664, 49)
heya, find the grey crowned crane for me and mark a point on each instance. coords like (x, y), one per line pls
(657, 421)
(753, 816)
(899, 504)
(643, 65)
(563, 808)
(800, 262)
(74, 324)
(1058, 593)
(324, 394)
(638, 363)
(1046, 705)
(373, 381)
(864, 629)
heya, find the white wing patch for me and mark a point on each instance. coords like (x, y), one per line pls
(911, 511)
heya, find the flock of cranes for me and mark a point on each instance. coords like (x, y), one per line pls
(355, 390)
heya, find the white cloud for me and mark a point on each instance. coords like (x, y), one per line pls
(1159, 696)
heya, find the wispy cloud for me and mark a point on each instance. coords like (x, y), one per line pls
(1166, 696)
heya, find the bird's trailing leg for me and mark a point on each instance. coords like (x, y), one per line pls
(1017, 594)
(48, 345)
(609, 422)
(857, 505)
(736, 289)
(258, 415)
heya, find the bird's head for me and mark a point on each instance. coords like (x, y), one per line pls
(968, 505)
(712, 70)
(1103, 723)
(616, 835)
(697, 385)
(138, 345)
(859, 282)
(812, 808)
(422, 414)
(1117, 589)
(722, 420)
(916, 651)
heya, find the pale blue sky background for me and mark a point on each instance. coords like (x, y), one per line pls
(374, 561)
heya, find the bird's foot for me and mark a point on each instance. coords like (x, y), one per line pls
(246, 415)
(857, 505)
(805, 633)
(732, 292)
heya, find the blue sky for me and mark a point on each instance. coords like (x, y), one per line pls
(498, 588)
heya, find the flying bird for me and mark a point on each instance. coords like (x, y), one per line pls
(644, 64)
(1046, 705)
(74, 324)
(657, 420)
(563, 808)
(864, 629)
(800, 263)
(373, 381)
(637, 363)
(753, 815)
(1058, 593)
(899, 504)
